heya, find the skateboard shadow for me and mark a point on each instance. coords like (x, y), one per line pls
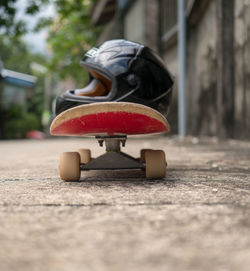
(120, 177)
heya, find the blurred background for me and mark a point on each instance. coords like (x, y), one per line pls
(42, 42)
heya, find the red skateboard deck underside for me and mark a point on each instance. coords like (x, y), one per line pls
(109, 123)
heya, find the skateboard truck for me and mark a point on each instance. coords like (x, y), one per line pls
(116, 121)
(153, 162)
(113, 158)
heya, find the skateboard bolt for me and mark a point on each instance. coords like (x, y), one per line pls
(100, 143)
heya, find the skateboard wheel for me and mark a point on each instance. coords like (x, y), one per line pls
(85, 156)
(155, 164)
(70, 166)
(142, 155)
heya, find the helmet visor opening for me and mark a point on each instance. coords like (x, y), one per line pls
(98, 86)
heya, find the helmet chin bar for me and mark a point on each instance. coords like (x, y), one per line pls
(127, 94)
(91, 99)
(159, 97)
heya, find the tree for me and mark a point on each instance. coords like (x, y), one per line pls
(16, 56)
(9, 25)
(70, 36)
(70, 33)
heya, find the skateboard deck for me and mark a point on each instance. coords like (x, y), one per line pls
(109, 119)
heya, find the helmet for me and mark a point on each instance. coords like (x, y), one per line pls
(121, 70)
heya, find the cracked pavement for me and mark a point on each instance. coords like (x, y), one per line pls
(197, 218)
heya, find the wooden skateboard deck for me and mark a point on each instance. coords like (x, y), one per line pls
(109, 119)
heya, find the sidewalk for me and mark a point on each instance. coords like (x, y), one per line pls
(197, 218)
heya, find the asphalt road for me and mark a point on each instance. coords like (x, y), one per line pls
(197, 218)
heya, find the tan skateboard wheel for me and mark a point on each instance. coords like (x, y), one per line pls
(70, 166)
(155, 164)
(85, 155)
(142, 155)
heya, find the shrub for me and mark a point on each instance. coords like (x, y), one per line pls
(19, 122)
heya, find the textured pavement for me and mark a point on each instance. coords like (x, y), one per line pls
(197, 218)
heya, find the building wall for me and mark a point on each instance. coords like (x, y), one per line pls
(211, 96)
(171, 60)
(134, 22)
(113, 30)
(242, 68)
(203, 69)
(201, 74)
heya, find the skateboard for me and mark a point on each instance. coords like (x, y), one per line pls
(111, 123)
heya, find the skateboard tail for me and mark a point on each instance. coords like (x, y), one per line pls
(110, 123)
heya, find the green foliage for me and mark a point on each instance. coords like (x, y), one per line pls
(16, 56)
(70, 36)
(9, 25)
(19, 122)
(35, 103)
(7, 17)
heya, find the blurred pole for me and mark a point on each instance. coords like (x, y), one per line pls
(46, 104)
(46, 101)
(182, 68)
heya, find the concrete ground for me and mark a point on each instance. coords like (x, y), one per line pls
(197, 218)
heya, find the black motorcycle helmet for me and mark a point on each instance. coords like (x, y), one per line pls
(121, 70)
